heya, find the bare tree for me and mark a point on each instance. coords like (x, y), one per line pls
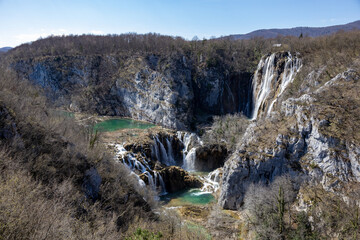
(266, 207)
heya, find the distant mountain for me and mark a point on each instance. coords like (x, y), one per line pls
(5, 49)
(306, 31)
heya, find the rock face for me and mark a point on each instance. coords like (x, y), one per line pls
(219, 93)
(169, 91)
(176, 179)
(307, 138)
(210, 157)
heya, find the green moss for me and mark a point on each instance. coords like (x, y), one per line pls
(313, 165)
(143, 234)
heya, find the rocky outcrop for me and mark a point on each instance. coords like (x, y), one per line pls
(176, 179)
(210, 157)
(302, 140)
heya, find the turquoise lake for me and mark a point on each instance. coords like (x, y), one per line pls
(117, 124)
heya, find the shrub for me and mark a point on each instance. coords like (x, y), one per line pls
(227, 129)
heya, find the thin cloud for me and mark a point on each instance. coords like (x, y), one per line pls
(29, 37)
(97, 32)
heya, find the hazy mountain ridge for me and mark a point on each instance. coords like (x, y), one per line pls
(297, 31)
(5, 49)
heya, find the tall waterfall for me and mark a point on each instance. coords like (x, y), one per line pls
(292, 66)
(267, 75)
(268, 85)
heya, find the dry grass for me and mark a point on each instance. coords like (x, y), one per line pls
(32, 210)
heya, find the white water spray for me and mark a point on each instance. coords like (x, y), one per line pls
(265, 87)
(212, 181)
(266, 83)
(292, 66)
(190, 141)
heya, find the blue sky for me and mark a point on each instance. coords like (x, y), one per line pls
(27, 20)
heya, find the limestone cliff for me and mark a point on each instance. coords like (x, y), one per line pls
(171, 91)
(315, 135)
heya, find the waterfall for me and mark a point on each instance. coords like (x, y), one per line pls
(212, 181)
(155, 150)
(158, 180)
(170, 152)
(265, 87)
(189, 161)
(162, 154)
(265, 81)
(131, 162)
(162, 184)
(150, 180)
(292, 66)
(190, 141)
(155, 179)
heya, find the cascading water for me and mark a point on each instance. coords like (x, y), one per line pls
(130, 161)
(190, 141)
(166, 155)
(292, 66)
(150, 180)
(267, 67)
(170, 152)
(158, 181)
(162, 150)
(189, 161)
(155, 150)
(212, 181)
(265, 81)
(162, 154)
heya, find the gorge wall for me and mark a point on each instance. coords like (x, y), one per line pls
(171, 91)
(313, 137)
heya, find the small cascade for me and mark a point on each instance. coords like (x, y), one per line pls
(159, 182)
(170, 152)
(162, 184)
(189, 161)
(190, 141)
(133, 164)
(268, 86)
(162, 154)
(212, 181)
(130, 161)
(155, 150)
(150, 180)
